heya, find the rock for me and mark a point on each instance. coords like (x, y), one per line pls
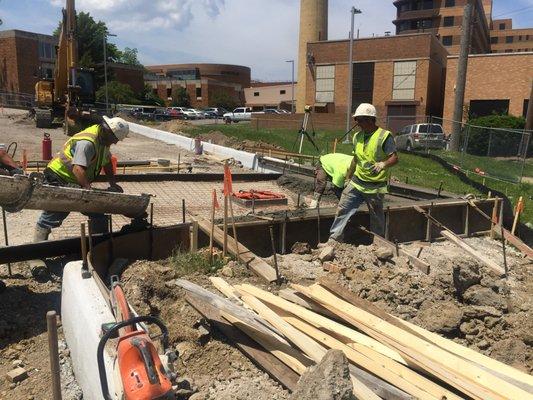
(227, 271)
(480, 312)
(17, 375)
(441, 318)
(510, 351)
(327, 254)
(335, 268)
(465, 276)
(482, 296)
(483, 344)
(198, 396)
(328, 380)
(301, 248)
(469, 328)
(17, 363)
(203, 335)
(384, 254)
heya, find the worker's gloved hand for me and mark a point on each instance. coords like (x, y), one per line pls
(116, 188)
(378, 167)
(316, 199)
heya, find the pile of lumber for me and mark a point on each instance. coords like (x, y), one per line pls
(389, 358)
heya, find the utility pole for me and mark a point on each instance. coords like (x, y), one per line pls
(105, 71)
(292, 85)
(353, 11)
(462, 66)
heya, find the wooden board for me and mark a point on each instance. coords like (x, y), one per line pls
(255, 263)
(261, 358)
(463, 375)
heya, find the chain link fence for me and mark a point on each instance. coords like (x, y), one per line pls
(16, 100)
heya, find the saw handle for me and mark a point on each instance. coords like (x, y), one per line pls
(111, 332)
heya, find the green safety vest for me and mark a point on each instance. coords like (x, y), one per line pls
(367, 154)
(336, 165)
(62, 163)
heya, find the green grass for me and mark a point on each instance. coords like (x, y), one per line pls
(417, 170)
(189, 263)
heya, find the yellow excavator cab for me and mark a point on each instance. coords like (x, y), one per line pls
(44, 93)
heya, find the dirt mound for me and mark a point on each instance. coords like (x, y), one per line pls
(459, 299)
(217, 137)
(175, 126)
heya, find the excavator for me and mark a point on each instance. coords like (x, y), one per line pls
(70, 96)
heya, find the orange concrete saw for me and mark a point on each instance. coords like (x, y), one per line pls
(142, 373)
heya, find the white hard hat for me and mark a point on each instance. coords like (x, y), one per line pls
(118, 126)
(365, 110)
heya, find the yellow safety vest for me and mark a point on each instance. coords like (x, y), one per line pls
(336, 165)
(367, 153)
(62, 163)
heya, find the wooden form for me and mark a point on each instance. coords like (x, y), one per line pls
(452, 237)
(255, 263)
(417, 262)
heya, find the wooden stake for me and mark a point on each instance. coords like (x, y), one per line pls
(225, 229)
(494, 217)
(194, 236)
(233, 225)
(271, 229)
(179, 158)
(6, 238)
(335, 146)
(51, 325)
(519, 207)
(212, 232)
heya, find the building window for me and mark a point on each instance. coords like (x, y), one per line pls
(169, 92)
(404, 80)
(448, 21)
(199, 92)
(256, 94)
(494, 40)
(502, 27)
(508, 39)
(449, 3)
(282, 92)
(47, 51)
(447, 40)
(427, 4)
(519, 38)
(325, 83)
(425, 23)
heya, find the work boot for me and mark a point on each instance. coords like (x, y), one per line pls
(331, 243)
(41, 234)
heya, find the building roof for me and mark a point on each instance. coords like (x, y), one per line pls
(11, 33)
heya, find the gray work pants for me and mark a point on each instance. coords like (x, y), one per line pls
(350, 201)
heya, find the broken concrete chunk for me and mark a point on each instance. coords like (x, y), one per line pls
(301, 248)
(327, 254)
(328, 380)
(334, 268)
(384, 254)
(482, 296)
(17, 375)
(227, 271)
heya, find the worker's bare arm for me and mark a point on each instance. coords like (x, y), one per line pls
(112, 179)
(80, 173)
(392, 160)
(7, 160)
(351, 170)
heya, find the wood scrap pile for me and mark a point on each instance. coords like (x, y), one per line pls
(389, 358)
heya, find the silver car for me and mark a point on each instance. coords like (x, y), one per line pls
(421, 136)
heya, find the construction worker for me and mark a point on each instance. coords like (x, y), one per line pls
(8, 166)
(331, 167)
(78, 164)
(374, 153)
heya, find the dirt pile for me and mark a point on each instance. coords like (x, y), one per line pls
(217, 137)
(459, 299)
(175, 126)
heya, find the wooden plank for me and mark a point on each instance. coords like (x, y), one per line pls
(294, 297)
(417, 262)
(261, 358)
(368, 344)
(309, 347)
(470, 250)
(514, 240)
(411, 383)
(255, 263)
(452, 369)
(226, 289)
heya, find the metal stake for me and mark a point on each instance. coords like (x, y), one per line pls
(278, 278)
(85, 264)
(51, 326)
(6, 238)
(151, 233)
(318, 220)
(183, 210)
(440, 189)
(397, 247)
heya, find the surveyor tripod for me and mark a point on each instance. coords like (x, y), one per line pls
(302, 133)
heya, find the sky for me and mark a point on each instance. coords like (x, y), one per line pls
(261, 34)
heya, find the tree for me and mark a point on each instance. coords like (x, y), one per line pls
(224, 100)
(150, 99)
(119, 93)
(129, 56)
(180, 97)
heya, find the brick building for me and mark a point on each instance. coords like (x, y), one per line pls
(263, 95)
(505, 39)
(205, 83)
(132, 75)
(506, 93)
(403, 76)
(24, 58)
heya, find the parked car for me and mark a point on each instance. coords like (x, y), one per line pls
(219, 111)
(174, 113)
(151, 114)
(187, 112)
(420, 136)
(210, 114)
(271, 111)
(240, 114)
(199, 114)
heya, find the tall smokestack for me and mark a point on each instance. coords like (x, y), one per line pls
(313, 28)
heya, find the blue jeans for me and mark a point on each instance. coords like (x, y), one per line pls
(54, 219)
(350, 201)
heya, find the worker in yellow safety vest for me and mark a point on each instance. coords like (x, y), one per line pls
(374, 153)
(331, 167)
(78, 164)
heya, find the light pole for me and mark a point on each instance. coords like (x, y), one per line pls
(353, 11)
(292, 85)
(105, 70)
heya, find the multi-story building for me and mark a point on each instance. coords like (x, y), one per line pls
(444, 18)
(204, 83)
(25, 57)
(505, 39)
(262, 95)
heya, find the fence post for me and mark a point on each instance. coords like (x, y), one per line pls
(466, 130)
(524, 157)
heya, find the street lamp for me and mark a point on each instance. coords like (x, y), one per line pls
(353, 11)
(105, 70)
(292, 85)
